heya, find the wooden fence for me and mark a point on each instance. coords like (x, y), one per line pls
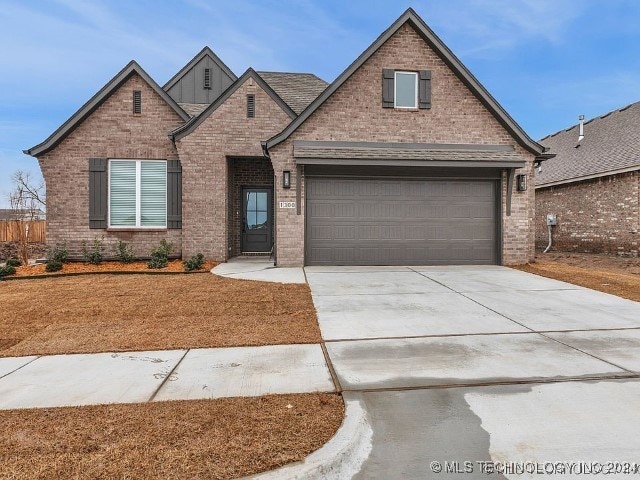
(10, 230)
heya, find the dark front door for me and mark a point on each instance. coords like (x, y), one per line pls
(256, 219)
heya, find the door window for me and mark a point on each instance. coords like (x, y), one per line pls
(256, 210)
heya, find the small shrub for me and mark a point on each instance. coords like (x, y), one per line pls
(13, 262)
(7, 270)
(160, 255)
(194, 263)
(93, 255)
(124, 252)
(58, 253)
(53, 266)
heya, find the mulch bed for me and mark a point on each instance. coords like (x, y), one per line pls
(204, 439)
(615, 275)
(113, 313)
(175, 266)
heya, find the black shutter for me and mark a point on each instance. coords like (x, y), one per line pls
(174, 194)
(424, 89)
(388, 77)
(98, 193)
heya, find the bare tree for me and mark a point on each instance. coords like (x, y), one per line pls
(25, 201)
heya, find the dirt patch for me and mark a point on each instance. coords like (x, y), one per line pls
(112, 313)
(616, 275)
(222, 438)
(81, 267)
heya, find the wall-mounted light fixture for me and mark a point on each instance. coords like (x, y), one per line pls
(286, 179)
(522, 183)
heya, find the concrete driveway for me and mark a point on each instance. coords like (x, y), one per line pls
(482, 364)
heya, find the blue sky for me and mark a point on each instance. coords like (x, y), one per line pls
(546, 61)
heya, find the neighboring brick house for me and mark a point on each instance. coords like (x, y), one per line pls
(593, 185)
(404, 159)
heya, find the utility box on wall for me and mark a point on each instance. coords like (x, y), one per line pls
(552, 220)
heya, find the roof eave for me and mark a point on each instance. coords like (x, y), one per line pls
(446, 54)
(98, 99)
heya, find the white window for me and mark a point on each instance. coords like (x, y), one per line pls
(138, 193)
(406, 90)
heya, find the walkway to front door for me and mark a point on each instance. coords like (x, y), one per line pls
(256, 219)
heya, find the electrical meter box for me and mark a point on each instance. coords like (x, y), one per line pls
(552, 220)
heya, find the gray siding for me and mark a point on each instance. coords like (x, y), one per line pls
(190, 87)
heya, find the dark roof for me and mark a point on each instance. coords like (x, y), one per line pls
(192, 124)
(194, 109)
(11, 214)
(206, 51)
(355, 153)
(413, 19)
(298, 90)
(611, 144)
(98, 99)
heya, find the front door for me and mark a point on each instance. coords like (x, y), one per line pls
(256, 219)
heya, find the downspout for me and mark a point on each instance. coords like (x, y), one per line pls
(265, 153)
(546, 250)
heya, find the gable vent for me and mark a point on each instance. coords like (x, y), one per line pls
(207, 78)
(251, 106)
(137, 101)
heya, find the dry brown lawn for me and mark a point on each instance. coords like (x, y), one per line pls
(616, 275)
(105, 313)
(222, 438)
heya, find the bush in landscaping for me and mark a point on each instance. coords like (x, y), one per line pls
(194, 263)
(53, 266)
(7, 270)
(124, 252)
(13, 262)
(58, 253)
(93, 255)
(160, 255)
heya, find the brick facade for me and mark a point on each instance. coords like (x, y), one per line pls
(594, 216)
(244, 172)
(204, 155)
(354, 113)
(111, 131)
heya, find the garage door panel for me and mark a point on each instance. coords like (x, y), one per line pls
(395, 222)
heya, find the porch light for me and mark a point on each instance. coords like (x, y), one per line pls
(286, 179)
(522, 183)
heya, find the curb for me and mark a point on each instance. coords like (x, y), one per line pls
(340, 458)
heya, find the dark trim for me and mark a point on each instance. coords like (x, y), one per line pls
(411, 17)
(404, 146)
(206, 51)
(389, 162)
(191, 125)
(98, 99)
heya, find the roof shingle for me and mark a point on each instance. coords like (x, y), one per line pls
(297, 90)
(611, 143)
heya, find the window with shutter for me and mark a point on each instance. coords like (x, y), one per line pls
(138, 193)
(406, 90)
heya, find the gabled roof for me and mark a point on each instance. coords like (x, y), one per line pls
(412, 18)
(611, 145)
(298, 90)
(98, 99)
(191, 125)
(193, 109)
(205, 52)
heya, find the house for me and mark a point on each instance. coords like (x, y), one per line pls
(22, 214)
(593, 185)
(405, 158)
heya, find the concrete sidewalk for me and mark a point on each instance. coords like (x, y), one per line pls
(136, 377)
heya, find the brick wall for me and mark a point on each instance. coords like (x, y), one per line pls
(112, 131)
(594, 216)
(244, 172)
(354, 113)
(226, 133)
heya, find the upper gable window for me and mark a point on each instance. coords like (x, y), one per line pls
(406, 90)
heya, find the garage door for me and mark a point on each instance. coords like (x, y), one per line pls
(351, 221)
